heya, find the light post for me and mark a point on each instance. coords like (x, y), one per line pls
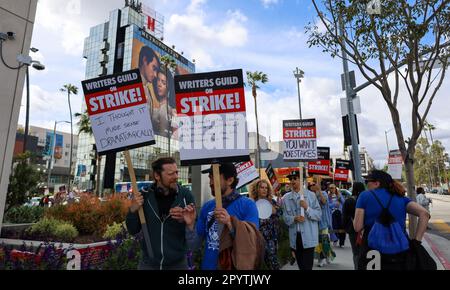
(53, 152)
(27, 61)
(387, 143)
(299, 74)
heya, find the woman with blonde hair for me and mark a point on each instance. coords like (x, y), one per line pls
(268, 227)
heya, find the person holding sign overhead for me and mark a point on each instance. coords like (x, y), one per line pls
(164, 204)
(269, 220)
(212, 221)
(302, 213)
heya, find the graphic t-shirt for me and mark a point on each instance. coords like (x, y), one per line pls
(243, 209)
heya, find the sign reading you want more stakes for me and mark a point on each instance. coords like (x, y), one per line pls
(118, 111)
(211, 117)
(300, 140)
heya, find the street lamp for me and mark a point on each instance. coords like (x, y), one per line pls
(299, 74)
(27, 61)
(387, 143)
(53, 152)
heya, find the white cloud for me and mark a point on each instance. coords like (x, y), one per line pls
(201, 37)
(47, 107)
(268, 3)
(67, 24)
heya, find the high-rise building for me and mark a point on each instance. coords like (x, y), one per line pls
(131, 39)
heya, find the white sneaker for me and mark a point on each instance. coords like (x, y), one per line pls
(328, 261)
(322, 263)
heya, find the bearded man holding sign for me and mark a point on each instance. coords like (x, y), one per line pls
(164, 205)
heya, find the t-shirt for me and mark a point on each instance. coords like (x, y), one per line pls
(243, 209)
(372, 208)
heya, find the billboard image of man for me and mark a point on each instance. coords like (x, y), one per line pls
(149, 66)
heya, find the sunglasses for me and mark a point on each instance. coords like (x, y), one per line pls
(293, 178)
(369, 180)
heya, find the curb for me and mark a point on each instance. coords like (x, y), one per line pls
(437, 253)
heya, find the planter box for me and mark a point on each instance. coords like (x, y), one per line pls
(91, 254)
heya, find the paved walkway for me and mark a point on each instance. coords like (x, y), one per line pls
(344, 261)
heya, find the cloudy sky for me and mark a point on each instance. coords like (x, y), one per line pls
(263, 35)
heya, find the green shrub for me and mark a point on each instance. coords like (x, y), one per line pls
(53, 229)
(65, 232)
(114, 230)
(90, 216)
(24, 214)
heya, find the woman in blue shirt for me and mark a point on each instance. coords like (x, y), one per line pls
(381, 186)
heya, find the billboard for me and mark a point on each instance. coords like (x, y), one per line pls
(57, 145)
(159, 82)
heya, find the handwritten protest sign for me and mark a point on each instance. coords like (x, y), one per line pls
(246, 173)
(300, 140)
(212, 118)
(118, 111)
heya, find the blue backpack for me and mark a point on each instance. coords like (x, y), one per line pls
(386, 235)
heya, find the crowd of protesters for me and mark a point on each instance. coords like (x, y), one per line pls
(236, 236)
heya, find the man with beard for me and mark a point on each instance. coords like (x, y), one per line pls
(163, 203)
(212, 221)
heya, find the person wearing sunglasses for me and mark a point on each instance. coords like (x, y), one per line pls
(302, 213)
(385, 193)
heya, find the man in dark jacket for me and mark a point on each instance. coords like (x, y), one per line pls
(163, 204)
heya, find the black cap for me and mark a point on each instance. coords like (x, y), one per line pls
(227, 169)
(294, 173)
(379, 175)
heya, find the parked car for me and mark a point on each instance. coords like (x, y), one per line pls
(34, 201)
(434, 191)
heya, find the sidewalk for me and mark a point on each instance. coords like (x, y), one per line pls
(344, 256)
(343, 260)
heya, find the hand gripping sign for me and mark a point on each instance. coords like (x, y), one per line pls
(212, 119)
(120, 119)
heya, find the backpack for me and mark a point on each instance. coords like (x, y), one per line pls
(386, 235)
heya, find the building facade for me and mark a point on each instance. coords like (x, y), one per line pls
(122, 44)
(54, 147)
(16, 28)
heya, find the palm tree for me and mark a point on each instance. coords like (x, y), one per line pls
(253, 78)
(84, 126)
(70, 89)
(169, 64)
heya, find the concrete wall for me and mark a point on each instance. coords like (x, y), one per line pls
(16, 16)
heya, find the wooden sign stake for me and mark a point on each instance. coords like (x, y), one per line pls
(217, 187)
(141, 210)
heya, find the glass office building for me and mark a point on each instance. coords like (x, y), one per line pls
(113, 47)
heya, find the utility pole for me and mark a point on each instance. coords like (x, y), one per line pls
(351, 94)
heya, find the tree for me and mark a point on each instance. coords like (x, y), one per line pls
(404, 34)
(70, 89)
(84, 126)
(23, 181)
(169, 64)
(253, 79)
